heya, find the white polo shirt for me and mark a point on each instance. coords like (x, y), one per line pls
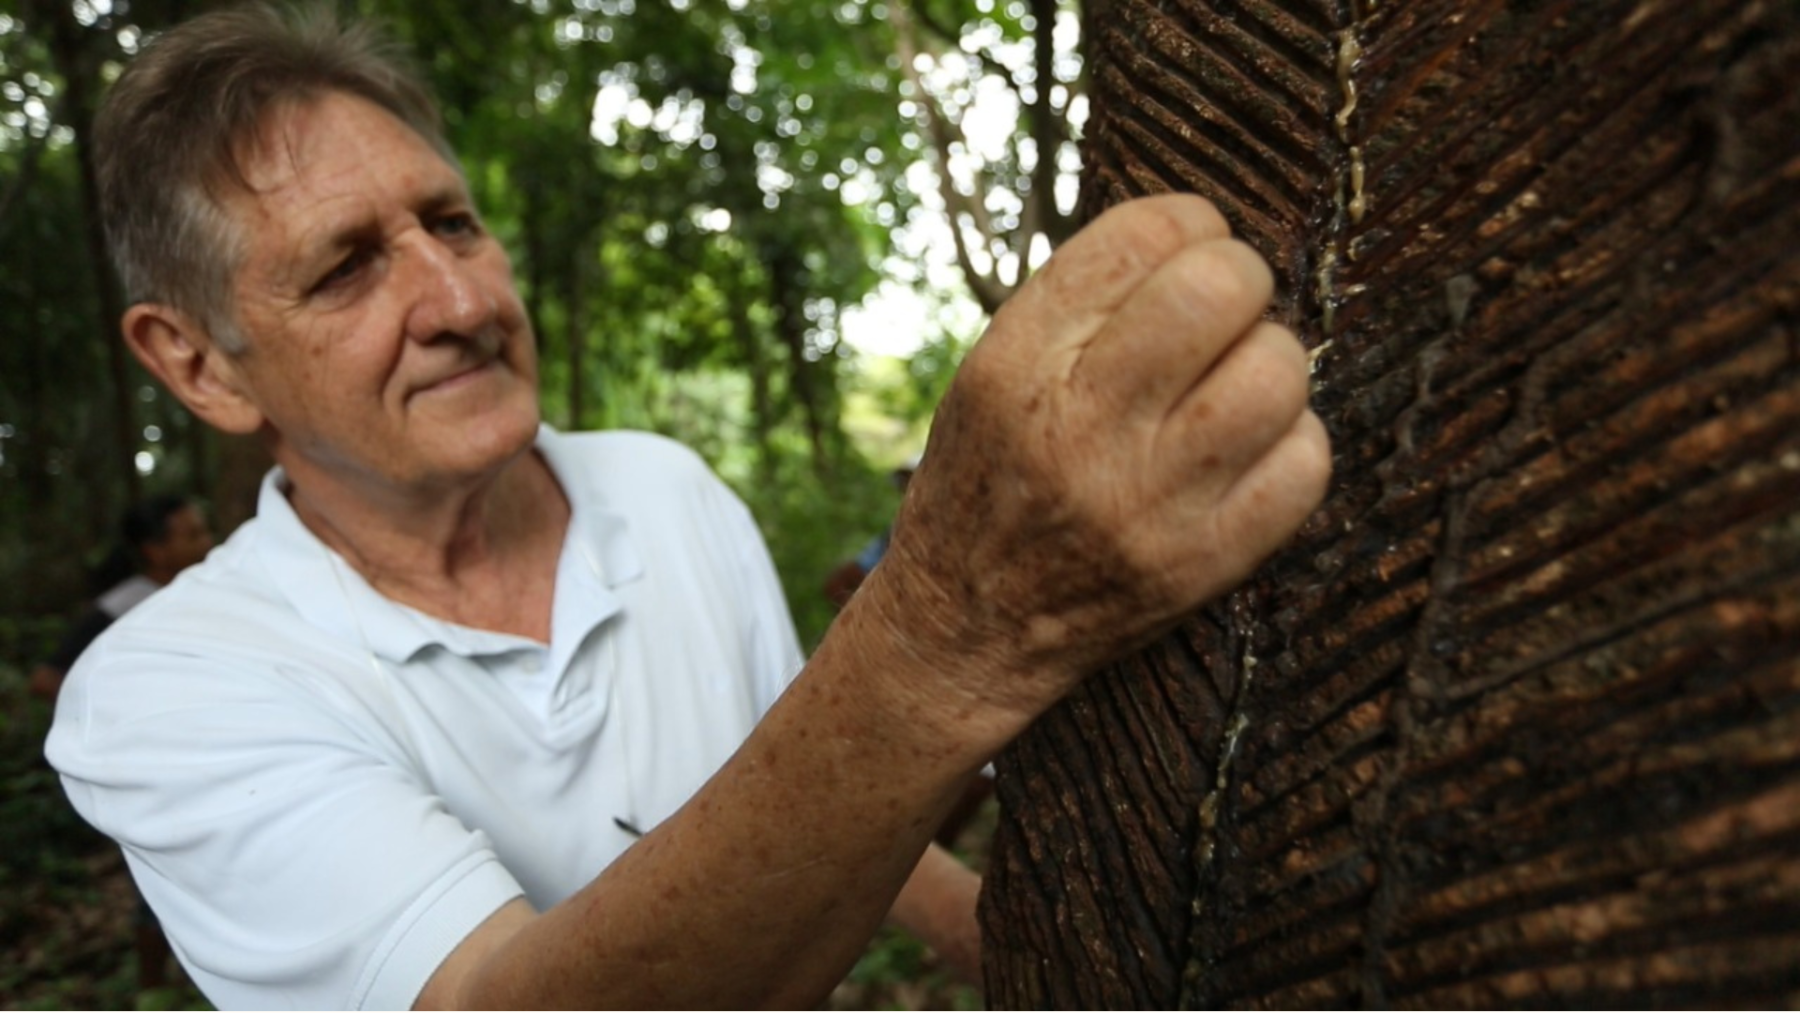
(322, 792)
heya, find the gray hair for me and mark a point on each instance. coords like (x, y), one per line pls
(169, 142)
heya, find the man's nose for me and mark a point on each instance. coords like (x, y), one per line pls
(448, 298)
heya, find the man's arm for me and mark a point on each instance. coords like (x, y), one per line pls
(1126, 442)
(46, 682)
(937, 904)
(762, 890)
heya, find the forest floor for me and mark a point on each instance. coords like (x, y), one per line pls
(67, 907)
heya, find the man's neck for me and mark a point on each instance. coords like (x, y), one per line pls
(482, 554)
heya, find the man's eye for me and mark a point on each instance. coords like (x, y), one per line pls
(456, 225)
(345, 270)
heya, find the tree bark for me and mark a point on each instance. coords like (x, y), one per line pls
(1516, 719)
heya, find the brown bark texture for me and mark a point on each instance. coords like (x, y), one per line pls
(1515, 721)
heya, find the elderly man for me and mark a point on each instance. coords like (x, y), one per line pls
(396, 742)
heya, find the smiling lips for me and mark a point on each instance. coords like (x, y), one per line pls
(457, 379)
(485, 347)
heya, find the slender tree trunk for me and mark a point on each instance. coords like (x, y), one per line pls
(69, 44)
(1516, 719)
(787, 294)
(58, 578)
(762, 406)
(21, 182)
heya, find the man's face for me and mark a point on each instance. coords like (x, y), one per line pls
(186, 541)
(387, 347)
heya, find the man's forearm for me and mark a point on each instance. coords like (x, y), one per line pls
(766, 886)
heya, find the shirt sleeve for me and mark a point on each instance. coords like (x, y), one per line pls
(293, 857)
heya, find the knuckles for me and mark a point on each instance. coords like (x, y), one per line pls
(1223, 283)
(1040, 505)
(1279, 375)
(1103, 265)
(1162, 223)
(1312, 460)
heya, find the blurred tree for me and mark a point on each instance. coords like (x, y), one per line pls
(1005, 174)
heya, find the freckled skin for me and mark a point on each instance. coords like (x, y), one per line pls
(1128, 441)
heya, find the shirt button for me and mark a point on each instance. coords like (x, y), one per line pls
(532, 663)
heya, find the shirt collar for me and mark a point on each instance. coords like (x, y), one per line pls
(598, 555)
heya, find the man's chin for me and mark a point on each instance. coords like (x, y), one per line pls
(508, 433)
(476, 439)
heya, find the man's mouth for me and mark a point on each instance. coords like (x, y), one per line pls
(453, 381)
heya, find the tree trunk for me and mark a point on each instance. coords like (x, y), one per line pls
(787, 294)
(71, 50)
(762, 400)
(1516, 719)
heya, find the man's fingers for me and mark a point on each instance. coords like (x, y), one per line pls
(1270, 501)
(1178, 325)
(1093, 273)
(1250, 398)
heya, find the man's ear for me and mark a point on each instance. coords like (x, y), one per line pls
(177, 350)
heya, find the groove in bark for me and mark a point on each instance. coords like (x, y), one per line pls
(1516, 719)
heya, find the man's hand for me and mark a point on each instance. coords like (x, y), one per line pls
(1127, 441)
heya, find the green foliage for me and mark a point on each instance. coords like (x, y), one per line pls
(39, 833)
(897, 972)
(812, 524)
(66, 454)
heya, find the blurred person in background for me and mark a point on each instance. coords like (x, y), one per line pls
(158, 539)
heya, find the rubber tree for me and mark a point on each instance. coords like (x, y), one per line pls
(1513, 721)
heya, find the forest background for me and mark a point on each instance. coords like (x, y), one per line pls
(704, 201)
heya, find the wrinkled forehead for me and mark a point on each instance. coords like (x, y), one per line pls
(289, 133)
(294, 131)
(315, 169)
